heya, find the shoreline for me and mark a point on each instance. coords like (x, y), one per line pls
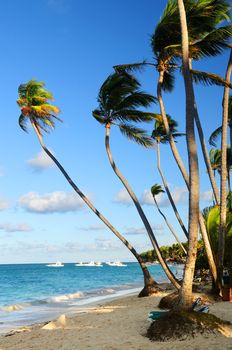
(44, 313)
(118, 324)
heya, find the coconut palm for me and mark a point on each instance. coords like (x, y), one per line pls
(224, 170)
(36, 109)
(119, 99)
(160, 136)
(155, 191)
(215, 159)
(185, 300)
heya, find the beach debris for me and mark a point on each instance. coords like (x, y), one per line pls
(198, 306)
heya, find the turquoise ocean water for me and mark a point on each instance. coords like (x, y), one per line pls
(31, 293)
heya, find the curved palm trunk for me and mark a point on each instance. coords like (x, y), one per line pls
(223, 191)
(170, 226)
(206, 158)
(206, 154)
(169, 193)
(185, 301)
(183, 171)
(149, 282)
(163, 263)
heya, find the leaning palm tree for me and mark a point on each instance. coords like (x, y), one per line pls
(36, 109)
(155, 191)
(119, 99)
(160, 136)
(185, 300)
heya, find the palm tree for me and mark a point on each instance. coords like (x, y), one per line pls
(160, 136)
(118, 98)
(215, 159)
(36, 109)
(185, 301)
(155, 191)
(223, 190)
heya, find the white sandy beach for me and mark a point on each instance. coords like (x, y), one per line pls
(115, 325)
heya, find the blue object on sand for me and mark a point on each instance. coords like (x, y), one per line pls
(154, 315)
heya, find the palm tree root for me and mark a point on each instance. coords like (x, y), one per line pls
(150, 289)
(184, 325)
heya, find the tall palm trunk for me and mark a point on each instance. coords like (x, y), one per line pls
(170, 226)
(142, 215)
(149, 282)
(223, 191)
(169, 193)
(185, 301)
(206, 158)
(183, 171)
(205, 153)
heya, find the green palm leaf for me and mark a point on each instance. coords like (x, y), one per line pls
(214, 136)
(23, 122)
(206, 78)
(35, 107)
(134, 116)
(156, 189)
(136, 134)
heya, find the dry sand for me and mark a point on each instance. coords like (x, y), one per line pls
(116, 325)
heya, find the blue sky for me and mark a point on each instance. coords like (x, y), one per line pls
(72, 45)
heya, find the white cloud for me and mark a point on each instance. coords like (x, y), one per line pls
(40, 162)
(106, 244)
(207, 196)
(4, 204)
(122, 197)
(15, 227)
(179, 195)
(96, 227)
(142, 230)
(55, 202)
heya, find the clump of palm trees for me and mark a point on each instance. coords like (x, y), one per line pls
(187, 31)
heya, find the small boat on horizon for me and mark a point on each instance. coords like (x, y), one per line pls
(115, 263)
(57, 264)
(88, 264)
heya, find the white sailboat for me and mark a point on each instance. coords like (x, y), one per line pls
(88, 264)
(57, 264)
(115, 263)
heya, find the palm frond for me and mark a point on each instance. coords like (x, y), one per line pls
(156, 189)
(135, 99)
(168, 81)
(132, 67)
(97, 115)
(23, 122)
(214, 136)
(33, 101)
(206, 78)
(136, 134)
(212, 44)
(127, 115)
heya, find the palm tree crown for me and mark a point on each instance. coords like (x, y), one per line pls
(34, 103)
(119, 99)
(159, 132)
